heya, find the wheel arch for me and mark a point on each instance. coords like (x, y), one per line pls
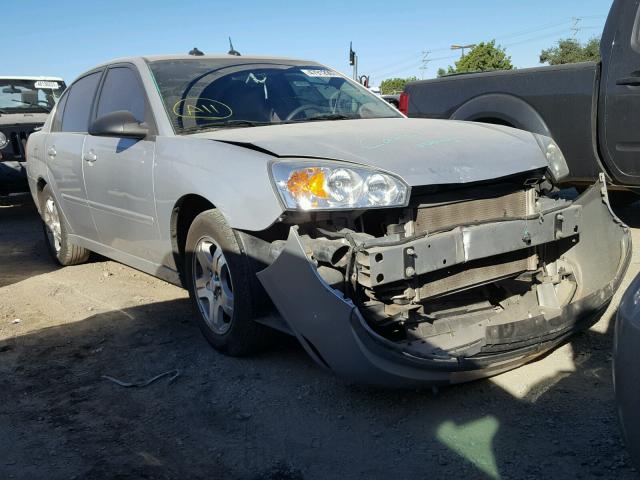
(41, 183)
(185, 210)
(502, 109)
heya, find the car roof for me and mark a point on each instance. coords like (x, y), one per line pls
(217, 56)
(6, 77)
(220, 56)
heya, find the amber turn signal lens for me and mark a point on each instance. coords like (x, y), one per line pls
(307, 182)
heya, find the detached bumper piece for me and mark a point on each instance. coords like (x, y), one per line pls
(464, 303)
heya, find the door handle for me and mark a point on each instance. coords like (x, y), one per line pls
(90, 156)
(51, 151)
(629, 81)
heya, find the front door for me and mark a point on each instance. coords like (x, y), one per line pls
(620, 93)
(118, 172)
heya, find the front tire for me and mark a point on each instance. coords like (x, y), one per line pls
(219, 279)
(55, 233)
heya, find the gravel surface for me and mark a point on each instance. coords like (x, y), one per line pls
(276, 416)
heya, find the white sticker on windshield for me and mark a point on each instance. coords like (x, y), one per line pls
(319, 72)
(46, 84)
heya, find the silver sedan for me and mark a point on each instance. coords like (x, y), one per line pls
(282, 195)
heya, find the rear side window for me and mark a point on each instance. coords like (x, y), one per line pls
(56, 125)
(635, 35)
(78, 104)
(121, 91)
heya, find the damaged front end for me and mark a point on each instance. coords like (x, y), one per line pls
(463, 283)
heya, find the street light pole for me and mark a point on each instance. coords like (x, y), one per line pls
(462, 47)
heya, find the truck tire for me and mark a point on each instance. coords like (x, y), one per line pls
(55, 233)
(218, 278)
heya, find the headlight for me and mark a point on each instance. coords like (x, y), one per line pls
(558, 168)
(3, 141)
(332, 185)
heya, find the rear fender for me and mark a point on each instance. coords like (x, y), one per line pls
(511, 110)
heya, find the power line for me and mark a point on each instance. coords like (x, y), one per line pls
(409, 63)
(531, 30)
(411, 58)
(539, 37)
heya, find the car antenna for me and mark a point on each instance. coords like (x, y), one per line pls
(232, 51)
(196, 52)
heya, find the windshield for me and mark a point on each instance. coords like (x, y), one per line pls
(201, 94)
(29, 96)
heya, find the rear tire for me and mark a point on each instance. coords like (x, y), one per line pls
(55, 233)
(221, 286)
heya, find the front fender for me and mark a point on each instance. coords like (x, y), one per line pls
(235, 180)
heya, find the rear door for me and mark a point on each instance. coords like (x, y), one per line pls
(118, 172)
(63, 152)
(620, 93)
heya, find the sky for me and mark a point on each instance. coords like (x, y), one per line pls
(66, 37)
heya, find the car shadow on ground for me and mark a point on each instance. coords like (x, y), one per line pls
(23, 249)
(279, 415)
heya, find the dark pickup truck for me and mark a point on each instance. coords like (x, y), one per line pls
(592, 110)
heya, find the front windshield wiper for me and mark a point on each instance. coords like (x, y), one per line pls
(328, 116)
(32, 104)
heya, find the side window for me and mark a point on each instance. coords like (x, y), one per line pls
(122, 91)
(635, 35)
(56, 124)
(78, 104)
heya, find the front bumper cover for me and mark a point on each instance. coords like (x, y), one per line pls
(334, 333)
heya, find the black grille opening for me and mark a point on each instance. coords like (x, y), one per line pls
(17, 137)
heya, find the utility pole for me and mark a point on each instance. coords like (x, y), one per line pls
(425, 62)
(576, 26)
(462, 47)
(353, 61)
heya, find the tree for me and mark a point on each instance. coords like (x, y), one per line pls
(570, 50)
(395, 85)
(481, 58)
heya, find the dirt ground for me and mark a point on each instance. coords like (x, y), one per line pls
(277, 416)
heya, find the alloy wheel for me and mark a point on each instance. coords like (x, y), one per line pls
(212, 285)
(52, 222)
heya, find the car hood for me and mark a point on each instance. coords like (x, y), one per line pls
(421, 151)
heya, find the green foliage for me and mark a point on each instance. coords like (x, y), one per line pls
(569, 50)
(481, 58)
(395, 85)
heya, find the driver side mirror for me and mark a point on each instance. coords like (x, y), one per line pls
(121, 124)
